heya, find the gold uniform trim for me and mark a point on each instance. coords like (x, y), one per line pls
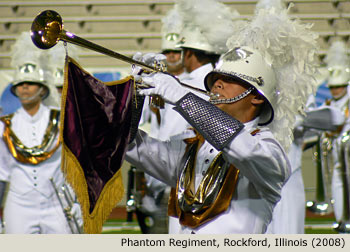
(213, 195)
(36, 154)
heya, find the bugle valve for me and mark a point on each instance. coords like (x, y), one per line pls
(47, 30)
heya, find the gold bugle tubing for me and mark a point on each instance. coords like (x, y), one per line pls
(47, 30)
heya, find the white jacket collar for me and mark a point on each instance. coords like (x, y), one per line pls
(34, 118)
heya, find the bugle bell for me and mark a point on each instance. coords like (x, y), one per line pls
(47, 30)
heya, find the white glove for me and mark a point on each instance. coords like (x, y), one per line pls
(149, 59)
(165, 85)
(76, 212)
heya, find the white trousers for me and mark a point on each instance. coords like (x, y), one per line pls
(33, 213)
(174, 225)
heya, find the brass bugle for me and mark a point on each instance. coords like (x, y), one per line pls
(67, 208)
(47, 30)
(322, 155)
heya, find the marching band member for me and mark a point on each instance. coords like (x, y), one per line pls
(200, 44)
(30, 149)
(229, 172)
(164, 122)
(337, 61)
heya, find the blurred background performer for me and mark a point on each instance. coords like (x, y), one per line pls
(192, 48)
(338, 64)
(30, 150)
(207, 24)
(206, 27)
(152, 215)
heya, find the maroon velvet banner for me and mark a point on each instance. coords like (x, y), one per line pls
(96, 131)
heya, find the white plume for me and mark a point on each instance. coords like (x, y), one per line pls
(266, 4)
(291, 48)
(172, 22)
(215, 20)
(24, 51)
(337, 55)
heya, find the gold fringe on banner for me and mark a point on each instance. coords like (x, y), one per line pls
(112, 192)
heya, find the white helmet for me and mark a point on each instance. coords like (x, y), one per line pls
(31, 65)
(29, 72)
(275, 54)
(171, 28)
(27, 60)
(338, 61)
(338, 76)
(247, 65)
(170, 41)
(192, 37)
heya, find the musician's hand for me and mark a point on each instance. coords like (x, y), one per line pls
(164, 85)
(76, 212)
(150, 59)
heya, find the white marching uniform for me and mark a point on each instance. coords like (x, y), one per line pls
(31, 205)
(262, 163)
(173, 123)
